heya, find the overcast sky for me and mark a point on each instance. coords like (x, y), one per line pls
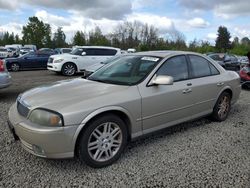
(198, 19)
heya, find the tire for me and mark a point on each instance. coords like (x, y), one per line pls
(68, 69)
(222, 107)
(99, 146)
(15, 67)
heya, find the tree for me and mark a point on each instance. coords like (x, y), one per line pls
(79, 39)
(59, 38)
(245, 41)
(38, 33)
(97, 38)
(223, 39)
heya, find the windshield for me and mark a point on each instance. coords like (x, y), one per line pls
(126, 70)
(77, 51)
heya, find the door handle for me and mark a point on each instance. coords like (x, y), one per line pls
(185, 91)
(220, 84)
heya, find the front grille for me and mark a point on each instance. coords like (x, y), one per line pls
(50, 60)
(22, 110)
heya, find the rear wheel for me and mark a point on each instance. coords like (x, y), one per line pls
(68, 69)
(103, 141)
(222, 107)
(15, 67)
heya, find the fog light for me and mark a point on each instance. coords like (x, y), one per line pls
(38, 150)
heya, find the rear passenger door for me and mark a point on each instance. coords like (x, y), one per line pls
(206, 83)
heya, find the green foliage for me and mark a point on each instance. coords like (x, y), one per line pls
(59, 39)
(223, 39)
(79, 39)
(97, 38)
(8, 38)
(38, 33)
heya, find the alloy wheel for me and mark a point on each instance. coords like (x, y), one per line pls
(224, 106)
(104, 142)
(69, 69)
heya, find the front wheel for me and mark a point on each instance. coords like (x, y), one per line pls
(68, 69)
(103, 141)
(222, 107)
(15, 67)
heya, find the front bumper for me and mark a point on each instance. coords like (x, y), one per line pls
(47, 142)
(5, 80)
(57, 67)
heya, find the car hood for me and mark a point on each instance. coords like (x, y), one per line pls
(64, 94)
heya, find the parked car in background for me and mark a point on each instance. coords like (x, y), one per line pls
(227, 61)
(63, 50)
(132, 96)
(46, 51)
(4, 53)
(30, 46)
(14, 52)
(245, 76)
(31, 60)
(25, 50)
(5, 78)
(80, 58)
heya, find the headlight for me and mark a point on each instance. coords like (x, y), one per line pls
(46, 118)
(58, 60)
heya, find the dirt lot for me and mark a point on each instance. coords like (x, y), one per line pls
(196, 154)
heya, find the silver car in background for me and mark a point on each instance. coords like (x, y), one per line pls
(5, 78)
(131, 96)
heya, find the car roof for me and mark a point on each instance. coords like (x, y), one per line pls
(101, 47)
(165, 53)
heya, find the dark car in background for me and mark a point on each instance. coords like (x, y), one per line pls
(31, 60)
(46, 51)
(63, 50)
(227, 61)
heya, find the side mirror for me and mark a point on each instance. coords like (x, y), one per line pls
(83, 53)
(162, 80)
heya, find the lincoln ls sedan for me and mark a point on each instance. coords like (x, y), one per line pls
(131, 96)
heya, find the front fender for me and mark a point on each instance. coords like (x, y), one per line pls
(97, 112)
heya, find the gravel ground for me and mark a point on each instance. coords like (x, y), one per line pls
(196, 154)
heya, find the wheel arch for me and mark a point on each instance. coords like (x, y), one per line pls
(226, 89)
(71, 63)
(14, 62)
(118, 111)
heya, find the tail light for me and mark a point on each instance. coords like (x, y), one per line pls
(1, 66)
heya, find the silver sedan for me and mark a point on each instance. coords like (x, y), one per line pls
(131, 96)
(5, 78)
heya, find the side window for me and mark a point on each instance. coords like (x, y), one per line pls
(214, 71)
(176, 67)
(105, 52)
(201, 67)
(90, 52)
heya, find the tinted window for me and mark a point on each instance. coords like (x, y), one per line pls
(217, 57)
(66, 50)
(103, 52)
(175, 67)
(201, 67)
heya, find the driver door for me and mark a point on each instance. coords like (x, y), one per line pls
(164, 105)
